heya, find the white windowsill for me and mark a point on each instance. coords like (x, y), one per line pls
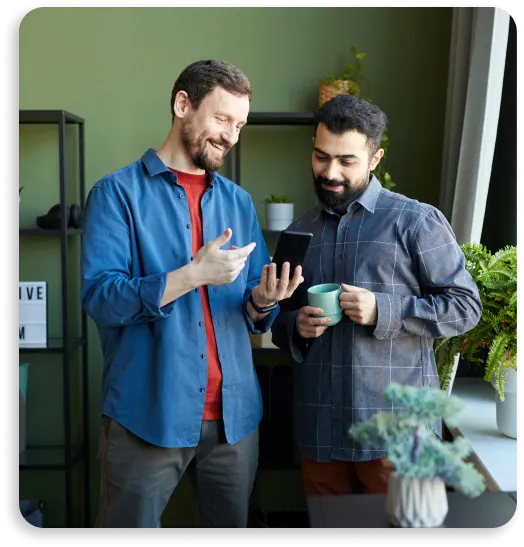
(495, 455)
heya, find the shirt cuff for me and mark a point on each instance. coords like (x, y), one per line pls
(262, 326)
(152, 289)
(388, 316)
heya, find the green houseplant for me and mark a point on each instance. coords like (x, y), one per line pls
(349, 81)
(279, 212)
(493, 341)
(423, 463)
(496, 331)
(274, 198)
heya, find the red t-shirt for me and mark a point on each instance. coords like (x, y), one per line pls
(195, 186)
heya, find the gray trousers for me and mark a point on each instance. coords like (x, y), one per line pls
(138, 478)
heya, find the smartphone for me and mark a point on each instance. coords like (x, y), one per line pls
(292, 247)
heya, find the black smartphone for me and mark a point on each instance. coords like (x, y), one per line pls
(292, 247)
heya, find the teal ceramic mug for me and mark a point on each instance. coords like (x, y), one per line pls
(326, 297)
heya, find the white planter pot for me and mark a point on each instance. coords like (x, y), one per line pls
(416, 503)
(507, 409)
(279, 215)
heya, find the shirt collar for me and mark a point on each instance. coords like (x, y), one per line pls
(369, 196)
(155, 165)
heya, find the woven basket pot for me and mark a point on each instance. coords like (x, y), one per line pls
(327, 91)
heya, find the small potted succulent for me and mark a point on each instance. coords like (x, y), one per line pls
(492, 343)
(424, 465)
(279, 212)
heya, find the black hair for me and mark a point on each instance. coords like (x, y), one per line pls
(349, 113)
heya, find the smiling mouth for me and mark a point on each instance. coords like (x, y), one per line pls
(330, 188)
(218, 147)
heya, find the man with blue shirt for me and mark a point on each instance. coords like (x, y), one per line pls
(175, 273)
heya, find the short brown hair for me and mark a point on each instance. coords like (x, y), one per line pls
(200, 78)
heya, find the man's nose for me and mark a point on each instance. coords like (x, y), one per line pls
(332, 171)
(230, 135)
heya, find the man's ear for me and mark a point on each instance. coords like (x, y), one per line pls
(375, 160)
(181, 105)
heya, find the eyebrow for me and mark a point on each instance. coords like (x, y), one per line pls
(352, 156)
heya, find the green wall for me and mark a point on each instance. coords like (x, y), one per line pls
(115, 67)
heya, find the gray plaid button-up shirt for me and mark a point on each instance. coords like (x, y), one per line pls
(406, 253)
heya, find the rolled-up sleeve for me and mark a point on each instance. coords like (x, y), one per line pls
(257, 260)
(450, 303)
(110, 296)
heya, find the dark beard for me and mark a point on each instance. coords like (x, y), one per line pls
(339, 200)
(196, 150)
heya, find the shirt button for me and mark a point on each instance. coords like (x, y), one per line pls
(202, 389)
(196, 290)
(214, 289)
(337, 375)
(216, 323)
(336, 345)
(200, 323)
(339, 256)
(188, 226)
(206, 226)
(335, 408)
(203, 356)
(181, 196)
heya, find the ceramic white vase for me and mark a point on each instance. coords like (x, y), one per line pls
(416, 503)
(507, 409)
(279, 215)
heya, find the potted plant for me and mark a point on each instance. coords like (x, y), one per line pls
(493, 341)
(279, 212)
(348, 82)
(424, 465)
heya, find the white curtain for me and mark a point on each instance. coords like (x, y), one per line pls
(477, 58)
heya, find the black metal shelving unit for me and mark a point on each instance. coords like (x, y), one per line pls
(65, 457)
(265, 119)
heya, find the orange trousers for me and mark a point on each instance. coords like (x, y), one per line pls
(338, 478)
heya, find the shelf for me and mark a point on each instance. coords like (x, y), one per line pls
(38, 232)
(281, 118)
(47, 457)
(55, 345)
(47, 116)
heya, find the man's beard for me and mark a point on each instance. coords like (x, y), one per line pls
(339, 200)
(196, 149)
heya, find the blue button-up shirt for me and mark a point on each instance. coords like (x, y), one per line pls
(406, 254)
(136, 230)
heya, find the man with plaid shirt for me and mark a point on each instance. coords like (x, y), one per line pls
(404, 284)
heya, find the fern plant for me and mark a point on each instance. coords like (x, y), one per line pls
(496, 279)
(413, 448)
